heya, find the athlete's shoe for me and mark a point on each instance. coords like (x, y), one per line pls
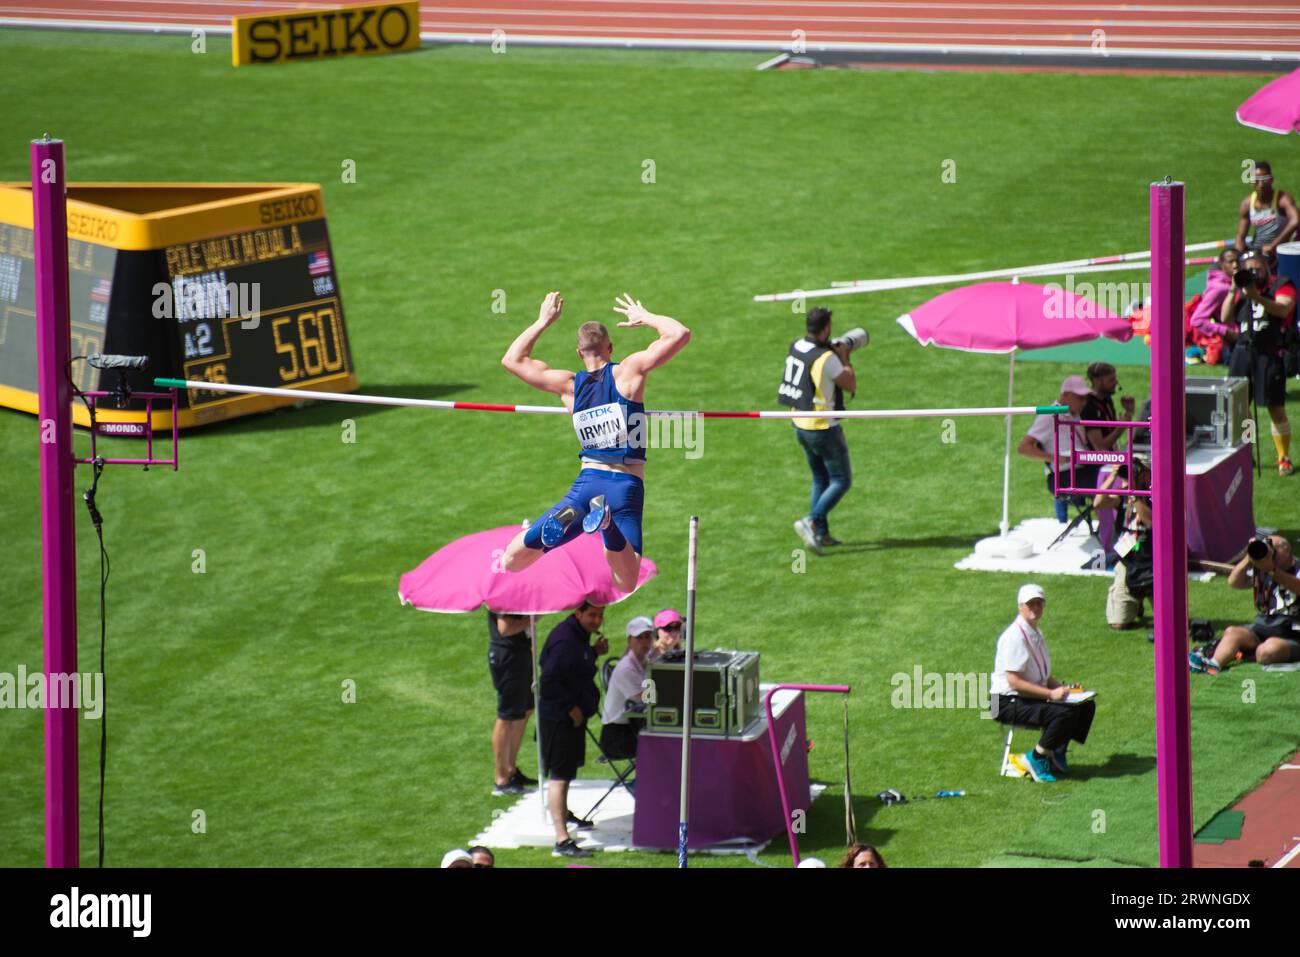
(809, 535)
(1059, 761)
(522, 779)
(1201, 664)
(553, 528)
(1039, 768)
(828, 541)
(1284, 467)
(507, 789)
(597, 519)
(578, 823)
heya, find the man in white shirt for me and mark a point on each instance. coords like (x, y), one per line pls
(618, 734)
(1039, 445)
(1024, 692)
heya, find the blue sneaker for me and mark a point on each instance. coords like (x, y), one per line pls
(1039, 769)
(1059, 761)
(598, 518)
(1199, 663)
(553, 528)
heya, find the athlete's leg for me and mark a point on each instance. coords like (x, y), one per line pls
(623, 546)
(526, 547)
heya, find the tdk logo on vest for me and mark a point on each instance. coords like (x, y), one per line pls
(601, 427)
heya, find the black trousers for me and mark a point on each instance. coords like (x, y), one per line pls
(1061, 723)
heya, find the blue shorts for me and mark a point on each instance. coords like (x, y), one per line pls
(625, 495)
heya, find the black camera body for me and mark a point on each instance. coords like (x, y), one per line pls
(1259, 548)
(1246, 277)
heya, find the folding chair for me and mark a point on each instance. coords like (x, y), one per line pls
(1009, 770)
(622, 776)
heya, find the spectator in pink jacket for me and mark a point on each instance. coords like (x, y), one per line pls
(1207, 332)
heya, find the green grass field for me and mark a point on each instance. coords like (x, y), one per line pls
(522, 172)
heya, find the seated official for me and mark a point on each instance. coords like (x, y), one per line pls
(1274, 636)
(1039, 444)
(623, 697)
(1134, 579)
(1025, 693)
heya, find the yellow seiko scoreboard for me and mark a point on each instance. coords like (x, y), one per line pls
(215, 282)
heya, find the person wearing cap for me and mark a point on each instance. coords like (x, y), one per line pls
(623, 696)
(1134, 578)
(1024, 692)
(457, 858)
(1038, 444)
(668, 633)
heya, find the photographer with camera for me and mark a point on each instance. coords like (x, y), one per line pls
(1258, 314)
(1134, 578)
(1269, 568)
(818, 370)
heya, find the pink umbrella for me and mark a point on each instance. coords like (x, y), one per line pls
(467, 574)
(1274, 107)
(1001, 317)
(1005, 316)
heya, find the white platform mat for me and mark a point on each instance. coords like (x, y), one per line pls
(522, 824)
(1078, 554)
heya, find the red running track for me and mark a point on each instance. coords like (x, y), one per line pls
(1257, 29)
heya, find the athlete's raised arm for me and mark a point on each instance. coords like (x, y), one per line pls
(673, 336)
(518, 358)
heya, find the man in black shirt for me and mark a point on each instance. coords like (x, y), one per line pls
(1100, 406)
(510, 660)
(568, 697)
(1257, 315)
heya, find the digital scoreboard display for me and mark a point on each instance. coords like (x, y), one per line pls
(213, 283)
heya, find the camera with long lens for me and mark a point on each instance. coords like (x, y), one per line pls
(853, 340)
(1259, 549)
(1244, 277)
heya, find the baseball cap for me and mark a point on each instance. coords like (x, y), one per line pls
(1075, 384)
(667, 617)
(1030, 592)
(639, 625)
(452, 857)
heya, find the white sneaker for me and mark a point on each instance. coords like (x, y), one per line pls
(809, 534)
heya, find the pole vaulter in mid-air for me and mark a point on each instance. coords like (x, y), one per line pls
(607, 402)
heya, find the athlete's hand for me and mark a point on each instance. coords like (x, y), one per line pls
(1128, 403)
(1059, 693)
(601, 646)
(552, 306)
(576, 714)
(632, 308)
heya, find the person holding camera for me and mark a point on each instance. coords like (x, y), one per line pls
(1269, 214)
(1258, 314)
(1134, 579)
(1099, 406)
(817, 372)
(1269, 568)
